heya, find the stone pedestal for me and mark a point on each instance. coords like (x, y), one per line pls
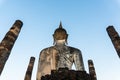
(65, 74)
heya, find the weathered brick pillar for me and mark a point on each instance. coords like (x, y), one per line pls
(114, 36)
(7, 43)
(92, 70)
(29, 69)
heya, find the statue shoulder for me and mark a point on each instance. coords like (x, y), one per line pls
(46, 52)
(74, 50)
(47, 49)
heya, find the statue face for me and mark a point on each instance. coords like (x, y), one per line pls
(60, 34)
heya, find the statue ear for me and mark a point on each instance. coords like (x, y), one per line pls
(66, 39)
(53, 35)
(53, 40)
(66, 36)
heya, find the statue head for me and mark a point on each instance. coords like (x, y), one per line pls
(60, 34)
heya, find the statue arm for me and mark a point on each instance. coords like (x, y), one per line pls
(78, 60)
(41, 58)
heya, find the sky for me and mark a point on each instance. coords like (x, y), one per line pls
(85, 21)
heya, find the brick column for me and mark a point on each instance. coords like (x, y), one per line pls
(29, 69)
(7, 43)
(114, 36)
(92, 70)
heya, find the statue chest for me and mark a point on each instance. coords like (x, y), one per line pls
(64, 58)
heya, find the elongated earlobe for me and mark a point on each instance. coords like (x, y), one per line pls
(54, 42)
(66, 42)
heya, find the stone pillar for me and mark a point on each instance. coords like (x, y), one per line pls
(92, 70)
(114, 36)
(29, 69)
(7, 43)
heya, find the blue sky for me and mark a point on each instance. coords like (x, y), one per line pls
(85, 21)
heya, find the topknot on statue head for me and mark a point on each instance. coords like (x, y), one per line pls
(60, 33)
